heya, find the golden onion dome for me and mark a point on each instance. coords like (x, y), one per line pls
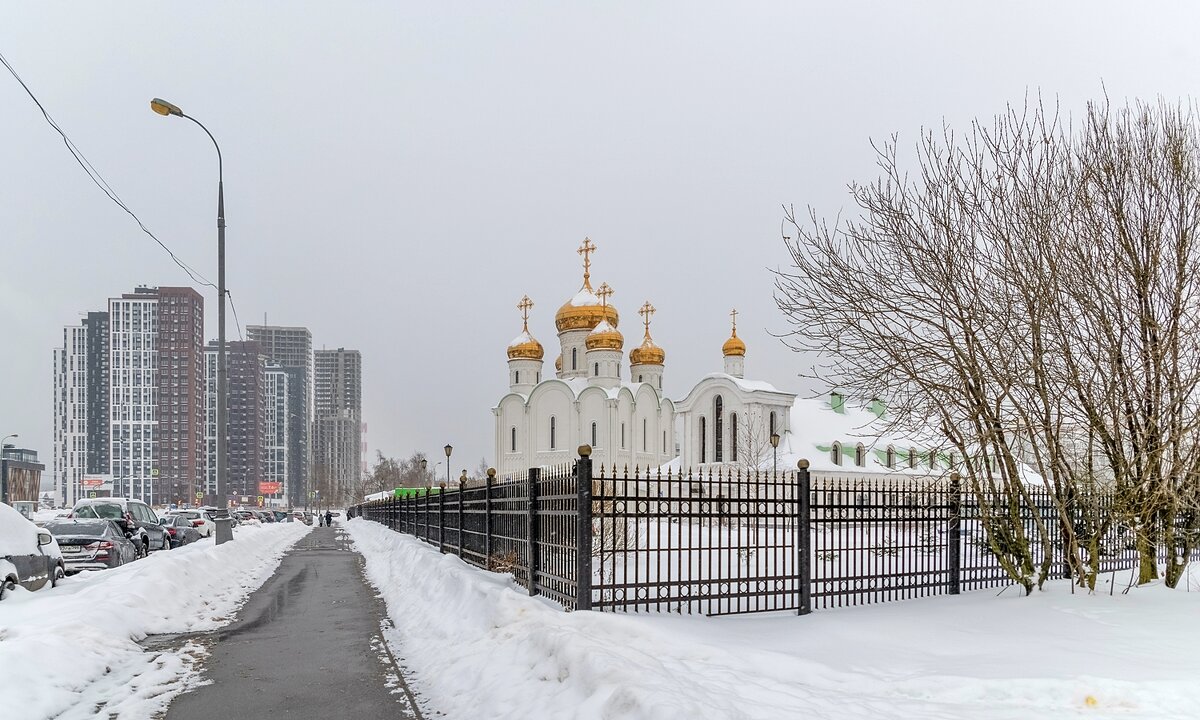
(647, 354)
(525, 347)
(605, 337)
(734, 346)
(584, 311)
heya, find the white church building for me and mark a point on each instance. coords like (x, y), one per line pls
(724, 421)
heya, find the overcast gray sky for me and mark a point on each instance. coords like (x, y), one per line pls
(399, 174)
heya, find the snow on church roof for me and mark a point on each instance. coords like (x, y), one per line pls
(521, 339)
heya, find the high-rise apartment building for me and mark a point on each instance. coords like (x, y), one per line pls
(129, 397)
(180, 412)
(71, 421)
(247, 417)
(337, 457)
(274, 485)
(291, 349)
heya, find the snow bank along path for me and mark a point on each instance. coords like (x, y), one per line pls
(478, 646)
(67, 651)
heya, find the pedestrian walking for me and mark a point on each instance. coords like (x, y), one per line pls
(328, 518)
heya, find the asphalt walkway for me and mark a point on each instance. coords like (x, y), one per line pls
(308, 643)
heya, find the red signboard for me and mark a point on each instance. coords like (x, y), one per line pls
(269, 488)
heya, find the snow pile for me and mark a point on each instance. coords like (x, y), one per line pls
(478, 646)
(18, 536)
(72, 651)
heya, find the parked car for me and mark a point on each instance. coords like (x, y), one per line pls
(180, 529)
(29, 556)
(303, 517)
(200, 519)
(137, 521)
(280, 515)
(247, 517)
(91, 544)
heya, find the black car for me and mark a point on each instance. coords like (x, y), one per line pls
(91, 544)
(180, 530)
(29, 557)
(137, 521)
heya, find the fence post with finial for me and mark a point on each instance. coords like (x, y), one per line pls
(803, 529)
(583, 529)
(954, 535)
(487, 518)
(531, 528)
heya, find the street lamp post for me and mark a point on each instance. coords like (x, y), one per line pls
(448, 450)
(775, 451)
(4, 468)
(224, 531)
(424, 472)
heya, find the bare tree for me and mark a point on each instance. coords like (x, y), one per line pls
(1030, 292)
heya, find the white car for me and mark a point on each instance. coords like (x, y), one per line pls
(201, 520)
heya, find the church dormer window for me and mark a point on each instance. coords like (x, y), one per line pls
(912, 459)
(835, 454)
(593, 434)
(860, 455)
(513, 439)
(553, 428)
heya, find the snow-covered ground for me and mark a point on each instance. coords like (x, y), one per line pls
(72, 651)
(477, 645)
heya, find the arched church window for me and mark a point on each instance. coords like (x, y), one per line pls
(574, 358)
(891, 457)
(596, 369)
(618, 371)
(553, 428)
(643, 434)
(512, 439)
(912, 459)
(835, 454)
(664, 442)
(703, 441)
(718, 427)
(537, 378)
(516, 377)
(622, 436)
(639, 378)
(860, 455)
(660, 382)
(733, 437)
(772, 432)
(933, 459)
(593, 434)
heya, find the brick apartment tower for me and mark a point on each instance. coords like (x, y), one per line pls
(180, 411)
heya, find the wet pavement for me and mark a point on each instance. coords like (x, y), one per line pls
(307, 643)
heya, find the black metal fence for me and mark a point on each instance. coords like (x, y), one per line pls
(723, 540)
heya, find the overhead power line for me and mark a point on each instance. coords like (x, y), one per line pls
(101, 183)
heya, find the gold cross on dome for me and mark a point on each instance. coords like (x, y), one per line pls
(586, 249)
(646, 311)
(525, 306)
(733, 314)
(604, 293)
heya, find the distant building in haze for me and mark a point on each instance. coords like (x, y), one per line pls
(337, 456)
(290, 348)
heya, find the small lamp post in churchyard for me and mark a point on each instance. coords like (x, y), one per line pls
(448, 450)
(4, 468)
(775, 450)
(424, 472)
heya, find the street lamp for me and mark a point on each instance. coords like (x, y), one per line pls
(448, 450)
(775, 450)
(4, 468)
(424, 472)
(224, 532)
